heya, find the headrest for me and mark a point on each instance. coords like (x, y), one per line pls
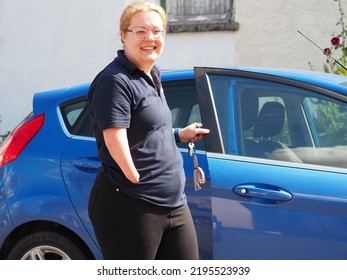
(270, 120)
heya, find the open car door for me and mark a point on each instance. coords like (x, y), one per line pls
(271, 196)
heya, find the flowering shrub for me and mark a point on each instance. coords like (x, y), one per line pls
(338, 46)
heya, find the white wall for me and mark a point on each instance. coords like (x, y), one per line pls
(268, 32)
(186, 50)
(47, 44)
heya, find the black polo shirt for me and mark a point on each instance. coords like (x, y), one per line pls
(122, 96)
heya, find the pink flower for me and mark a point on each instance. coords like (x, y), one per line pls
(335, 41)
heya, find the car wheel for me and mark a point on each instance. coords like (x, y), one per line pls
(46, 246)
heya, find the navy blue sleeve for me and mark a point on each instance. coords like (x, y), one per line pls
(111, 103)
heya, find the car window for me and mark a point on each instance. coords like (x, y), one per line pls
(73, 111)
(329, 119)
(180, 95)
(276, 121)
(76, 118)
(183, 102)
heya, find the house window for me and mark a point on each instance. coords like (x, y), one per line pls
(199, 15)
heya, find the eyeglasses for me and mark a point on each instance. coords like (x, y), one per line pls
(142, 34)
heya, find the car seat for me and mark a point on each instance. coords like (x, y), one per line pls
(268, 125)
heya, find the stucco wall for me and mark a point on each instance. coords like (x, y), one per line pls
(46, 44)
(268, 32)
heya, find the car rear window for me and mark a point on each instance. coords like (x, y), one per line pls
(76, 117)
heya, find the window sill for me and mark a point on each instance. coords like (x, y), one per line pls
(196, 25)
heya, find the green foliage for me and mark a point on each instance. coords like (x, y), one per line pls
(163, 4)
(330, 123)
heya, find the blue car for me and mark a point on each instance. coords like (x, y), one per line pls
(275, 164)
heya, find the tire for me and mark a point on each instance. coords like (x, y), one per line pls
(46, 245)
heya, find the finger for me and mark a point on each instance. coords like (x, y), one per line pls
(203, 131)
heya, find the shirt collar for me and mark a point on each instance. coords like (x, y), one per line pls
(122, 59)
(129, 66)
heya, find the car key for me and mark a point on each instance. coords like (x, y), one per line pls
(190, 148)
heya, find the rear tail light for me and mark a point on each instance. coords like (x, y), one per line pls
(15, 143)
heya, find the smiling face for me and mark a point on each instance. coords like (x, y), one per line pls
(143, 53)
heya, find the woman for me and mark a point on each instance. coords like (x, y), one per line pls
(137, 205)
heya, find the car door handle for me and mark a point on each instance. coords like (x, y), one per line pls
(87, 163)
(263, 191)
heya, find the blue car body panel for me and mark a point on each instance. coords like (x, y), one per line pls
(312, 219)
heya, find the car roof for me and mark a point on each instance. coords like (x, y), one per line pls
(44, 99)
(326, 80)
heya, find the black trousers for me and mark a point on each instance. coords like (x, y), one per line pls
(131, 229)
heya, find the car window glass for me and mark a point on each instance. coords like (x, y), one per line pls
(73, 111)
(195, 114)
(76, 117)
(329, 119)
(280, 122)
(183, 102)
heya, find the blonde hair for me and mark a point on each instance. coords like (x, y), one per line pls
(140, 6)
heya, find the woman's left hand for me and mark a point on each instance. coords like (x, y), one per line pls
(192, 132)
